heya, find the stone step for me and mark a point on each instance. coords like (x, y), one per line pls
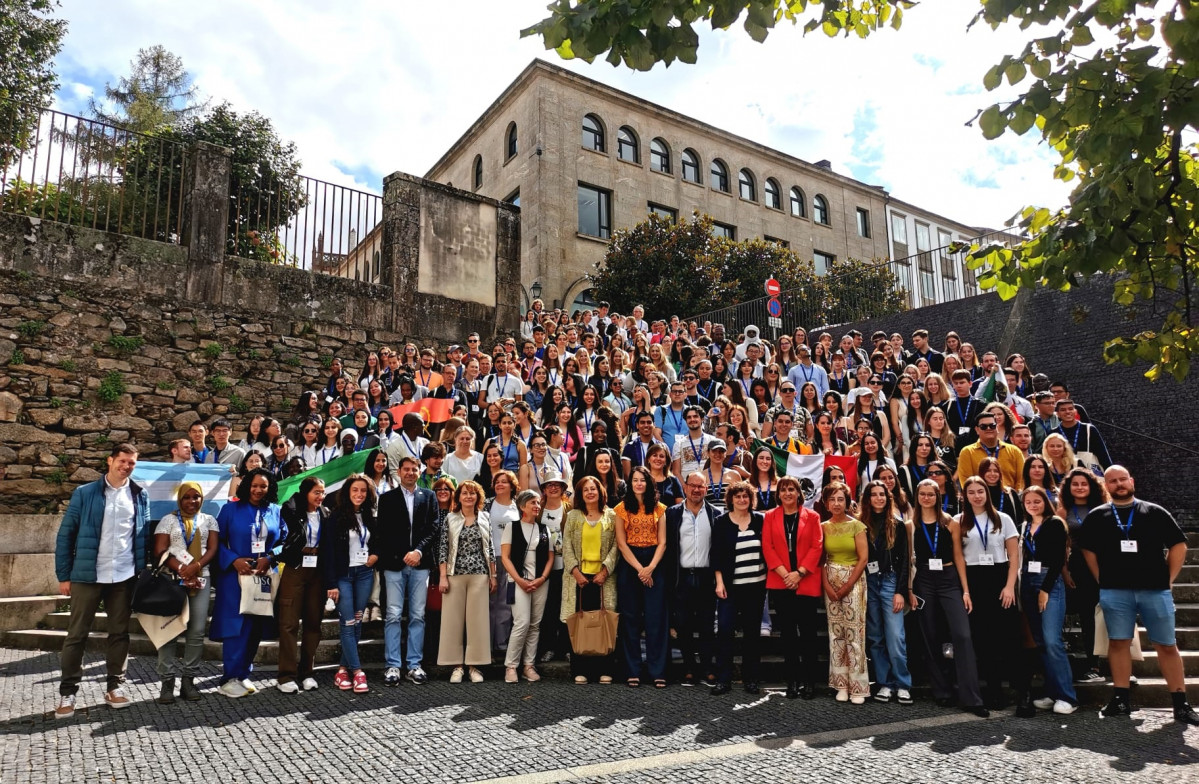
(1190, 570)
(1188, 637)
(1148, 667)
(25, 612)
(1186, 613)
(329, 627)
(1186, 593)
(1193, 539)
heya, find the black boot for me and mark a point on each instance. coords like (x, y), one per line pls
(792, 690)
(1024, 707)
(1183, 712)
(188, 690)
(166, 695)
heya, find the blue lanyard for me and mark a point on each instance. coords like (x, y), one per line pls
(257, 531)
(644, 448)
(957, 402)
(187, 540)
(588, 415)
(745, 387)
(1029, 542)
(987, 449)
(696, 451)
(325, 454)
(920, 471)
(719, 485)
(1078, 518)
(808, 371)
(1002, 500)
(363, 533)
(764, 496)
(425, 377)
(507, 449)
(933, 540)
(676, 418)
(199, 456)
(1125, 529)
(982, 531)
(501, 387)
(1077, 433)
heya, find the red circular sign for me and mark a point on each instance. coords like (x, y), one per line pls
(772, 287)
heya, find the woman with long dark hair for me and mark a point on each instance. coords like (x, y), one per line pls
(887, 572)
(251, 534)
(940, 590)
(301, 602)
(349, 573)
(641, 590)
(942, 477)
(1081, 492)
(845, 553)
(657, 460)
(739, 565)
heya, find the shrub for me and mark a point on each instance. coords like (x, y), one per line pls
(126, 345)
(112, 386)
(213, 350)
(31, 329)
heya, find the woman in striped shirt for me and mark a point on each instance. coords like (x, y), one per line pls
(740, 569)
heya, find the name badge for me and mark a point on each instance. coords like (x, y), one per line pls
(328, 399)
(963, 431)
(474, 409)
(258, 546)
(1128, 545)
(1034, 567)
(358, 557)
(986, 560)
(309, 561)
(184, 557)
(934, 565)
(203, 583)
(872, 567)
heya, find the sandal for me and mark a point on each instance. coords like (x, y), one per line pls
(633, 682)
(660, 683)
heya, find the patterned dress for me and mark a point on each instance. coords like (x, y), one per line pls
(846, 617)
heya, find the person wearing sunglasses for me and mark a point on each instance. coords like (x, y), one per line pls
(1009, 457)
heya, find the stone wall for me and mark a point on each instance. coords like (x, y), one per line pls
(1062, 335)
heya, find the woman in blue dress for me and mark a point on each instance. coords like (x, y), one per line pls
(251, 537)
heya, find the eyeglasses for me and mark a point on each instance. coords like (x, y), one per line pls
(937, 473)
(694, 486)
(676, 391)
(472, 340)
(788, 391)
(772, 372)
(991, 426)
(309, 430)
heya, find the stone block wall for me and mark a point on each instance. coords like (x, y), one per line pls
(1062, 335)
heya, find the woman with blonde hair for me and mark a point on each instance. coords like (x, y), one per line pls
(467, 564)
(661, 362)
(1060, 455)
(935, 389)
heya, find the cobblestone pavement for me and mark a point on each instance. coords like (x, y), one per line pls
(549, 731)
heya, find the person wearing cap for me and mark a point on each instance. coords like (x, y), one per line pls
(806, 371)
(554, 640)
(718, 477)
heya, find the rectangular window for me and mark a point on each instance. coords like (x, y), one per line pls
(903, 279)
(513, 198)
(928, 279)
(899, 235)
(823, 261)
(777, 241)
(949, 261)
(724, 230)
(863, 222)
(668, 213)
(595, 212)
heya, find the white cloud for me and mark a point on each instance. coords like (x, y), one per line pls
(378, 86)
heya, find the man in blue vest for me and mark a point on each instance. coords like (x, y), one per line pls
(102, 543)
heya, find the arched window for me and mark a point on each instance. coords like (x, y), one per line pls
(511, 139)
(478, 170)
(659, 156)
(720, 176)
(627, 148)
(690, 166)
(593, 133)
(774, 198)
(376, 261)
(745, 182)
(820, 210)
(798, 208)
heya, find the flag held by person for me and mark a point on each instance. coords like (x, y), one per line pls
(809, 470)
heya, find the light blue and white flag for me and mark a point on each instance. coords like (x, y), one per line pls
(160, 481)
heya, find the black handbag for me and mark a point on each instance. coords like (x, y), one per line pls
(157, 592)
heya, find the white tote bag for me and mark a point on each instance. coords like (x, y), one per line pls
(1101, 639)
(258, 593)
(164, 629)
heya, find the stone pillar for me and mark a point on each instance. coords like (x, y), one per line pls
(206, 216)
(508, 294)
(401, 247)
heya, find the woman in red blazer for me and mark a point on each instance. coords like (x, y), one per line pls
(793, 545)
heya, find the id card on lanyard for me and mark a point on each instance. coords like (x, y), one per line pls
(358, 549)
(258, 534)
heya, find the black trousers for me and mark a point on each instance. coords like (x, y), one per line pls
(694, 611)
(554, 636)
(797, 614)
(1082, 599)
(994, 630)
(742, 610)
(942, 594)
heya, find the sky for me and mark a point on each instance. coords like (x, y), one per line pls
(377, 86)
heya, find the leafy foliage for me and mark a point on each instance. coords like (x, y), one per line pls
(29, 38)
(157, 94)
(684, 269)
(1121, 114)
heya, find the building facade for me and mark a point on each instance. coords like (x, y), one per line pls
(582, 160)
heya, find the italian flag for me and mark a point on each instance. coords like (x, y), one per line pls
(809, 470)
(334, 473)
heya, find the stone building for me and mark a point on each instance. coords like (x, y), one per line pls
(582, 159)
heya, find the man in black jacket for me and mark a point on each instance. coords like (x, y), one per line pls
(405, 537)
(691, 582)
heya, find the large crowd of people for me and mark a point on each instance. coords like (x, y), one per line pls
(602, 462)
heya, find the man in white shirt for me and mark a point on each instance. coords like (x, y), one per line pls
(409, 444)
(691, 447)
(692, 583)
(503, 386)
(102, 542)
(639, 319)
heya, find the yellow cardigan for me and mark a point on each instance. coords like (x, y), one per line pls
(572, 554)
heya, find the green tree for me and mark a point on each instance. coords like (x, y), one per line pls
(683, 268)
(29, 39)
(158, 93)
(1121, 115)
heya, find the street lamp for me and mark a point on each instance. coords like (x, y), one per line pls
(535, 289)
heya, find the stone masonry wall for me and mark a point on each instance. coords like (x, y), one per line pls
(1062, 335)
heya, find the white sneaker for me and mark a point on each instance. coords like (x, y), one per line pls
(66, 707)
(858, 699)
(904, 697)
(309, 684)
(233, 689)
(249, 686)
(765, 631)
(842, 695)
(290, 687)
(1045, 703)
(456, 675)
(476, 675)
(883, 694)
(1064, 708)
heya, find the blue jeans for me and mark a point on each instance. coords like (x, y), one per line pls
(353, 592)
(408, 586)
(884, 633)
(1046, 628)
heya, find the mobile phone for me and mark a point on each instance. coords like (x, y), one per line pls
(919, 602)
